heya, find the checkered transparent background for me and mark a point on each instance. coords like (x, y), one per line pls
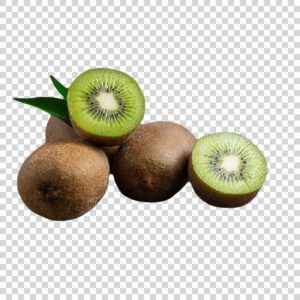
(212, 66)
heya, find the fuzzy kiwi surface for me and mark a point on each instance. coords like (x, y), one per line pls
(63, 180)
(105, 106)
(56, 130)
(152, 163)
(59, 130)
(226, 169)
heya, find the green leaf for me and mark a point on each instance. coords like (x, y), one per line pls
(59, 87)
(54, 106)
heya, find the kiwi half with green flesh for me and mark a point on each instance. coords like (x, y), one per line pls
(63, 180)
(105, 106)
(56, 130)
(226, 169)
(152, 163)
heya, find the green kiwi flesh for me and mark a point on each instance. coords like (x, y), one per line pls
(226, 169)
(105, 106)
(63, 180)
(152, 163)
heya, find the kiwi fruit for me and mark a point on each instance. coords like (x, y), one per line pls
(59, 130)
(63, 180)
(105, 106)
(151, 165)
(226, 169)
(56, 130)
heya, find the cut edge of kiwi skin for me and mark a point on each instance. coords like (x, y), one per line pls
(237, 189)
(105, 106)
(215, 197)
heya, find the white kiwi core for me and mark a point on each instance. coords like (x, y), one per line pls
(107, 101)
(231, 163)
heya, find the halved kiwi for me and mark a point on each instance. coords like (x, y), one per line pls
(105, 105)
(63, 180)
(226, 169)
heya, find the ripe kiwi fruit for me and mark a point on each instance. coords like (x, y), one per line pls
(151, 164)
(226, 169)
(105, 106)
(63, 180)
(59, 130)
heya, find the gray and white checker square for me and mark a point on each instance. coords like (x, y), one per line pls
(212, 66)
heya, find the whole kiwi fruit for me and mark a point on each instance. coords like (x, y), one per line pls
(226, 169)
(105, 106)
(63, 180)
(151, 164)
(56, 130)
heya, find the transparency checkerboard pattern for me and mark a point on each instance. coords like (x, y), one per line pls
(212, 66)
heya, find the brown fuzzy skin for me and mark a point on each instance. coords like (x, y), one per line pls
(100, 140)
(151, 165)
(58, 130)
(63, 180)
(214, 197)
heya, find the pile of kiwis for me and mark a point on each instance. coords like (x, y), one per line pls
(95, 130)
